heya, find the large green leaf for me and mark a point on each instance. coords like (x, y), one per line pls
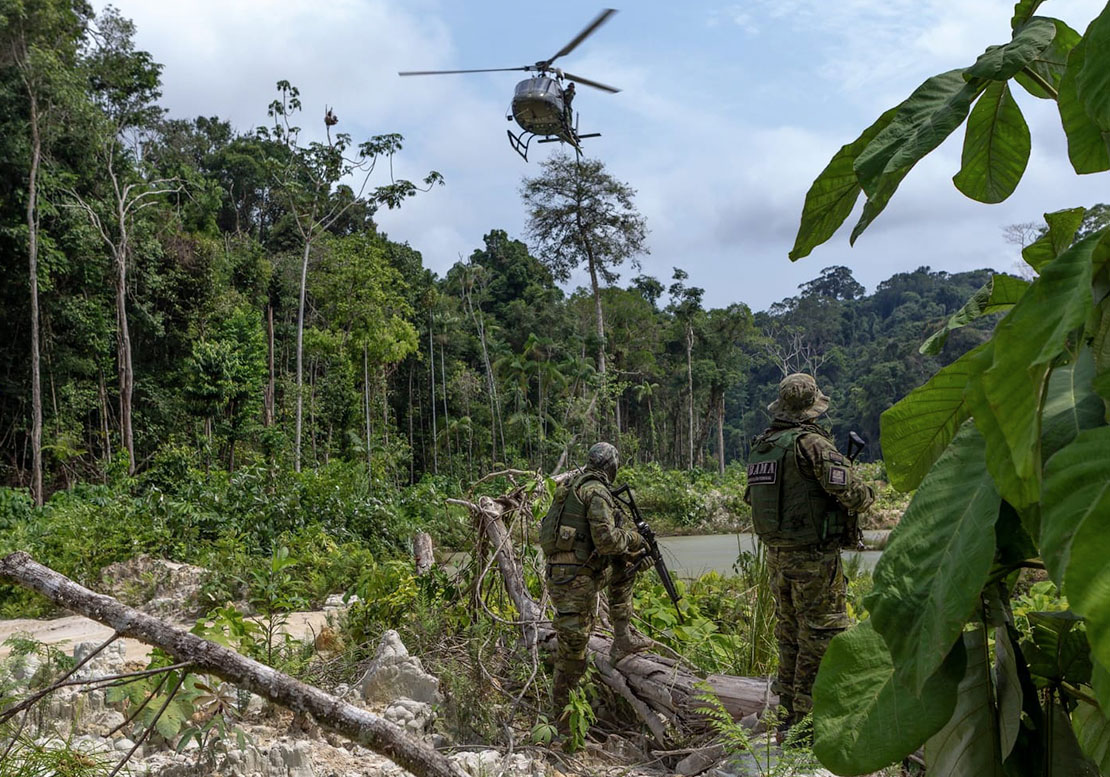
(1088, 144)
(1086, 507)
(1062, 226)
(1100, 684)
(1020, 492)
(1008, 690)
(928, 580)
(1023, 12)
(1092, 729)
(1001, 63)
(1057, 650)
(926, 118)
(998, 294)
(1066, 758)
(917, 428)
(1041, 77)
(863, 719)
(1026, 342)
(1076, 493)
(968, 745)
(1092, 82)
(996, 147)
(1071, 404)
(834, 192)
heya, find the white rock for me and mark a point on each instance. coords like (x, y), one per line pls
(394, 674)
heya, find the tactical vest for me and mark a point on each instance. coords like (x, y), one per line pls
(565, 527)
(789, 510)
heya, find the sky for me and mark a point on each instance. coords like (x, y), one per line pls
(726, 114)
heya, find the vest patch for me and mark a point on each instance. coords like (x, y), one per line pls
(763, 473)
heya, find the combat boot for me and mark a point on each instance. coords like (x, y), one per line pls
(626, 640)
(566, 679)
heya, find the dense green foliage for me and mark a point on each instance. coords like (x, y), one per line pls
(1006, 446)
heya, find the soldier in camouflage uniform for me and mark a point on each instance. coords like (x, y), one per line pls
(804, 499)
(586, 551)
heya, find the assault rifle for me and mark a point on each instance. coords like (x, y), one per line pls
(856, 444)
(624, 497)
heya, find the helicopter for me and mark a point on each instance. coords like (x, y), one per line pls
(541, 104)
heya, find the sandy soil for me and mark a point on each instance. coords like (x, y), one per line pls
(73, 629)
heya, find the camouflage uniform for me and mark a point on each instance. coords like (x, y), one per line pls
(595, 556)
(804, 498)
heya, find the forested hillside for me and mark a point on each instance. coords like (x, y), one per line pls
(181, 290)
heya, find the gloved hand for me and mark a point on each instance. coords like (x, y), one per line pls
(646, 534)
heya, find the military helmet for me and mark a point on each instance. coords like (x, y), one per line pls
(799, 399)
(603, 457)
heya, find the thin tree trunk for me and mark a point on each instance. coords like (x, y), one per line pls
(690, 388)
(123, 353)
(412, 453)
(208, 657)
(33, 274)
(300, 356)
(268, 403)
(366, 411)
(721, 435)
(432, 380)
(446, 419)
(105, 422)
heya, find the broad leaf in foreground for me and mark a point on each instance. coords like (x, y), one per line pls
(1092, 82)
(863, 718)
(928, 580)
(1001, 63)
(1047, 68)
(1092, 729)
(1008, 689)
(1062, 226)
(1026, 342)
(919, 427)
(1088, 144)
(834, 193)
(1076, 493)
(997, 295)
(1071, 404)
(996, 147)
(1084, 465)
(968, 745)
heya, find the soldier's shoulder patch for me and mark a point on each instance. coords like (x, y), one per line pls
(763, 473)
(837, 475)
(835, 456)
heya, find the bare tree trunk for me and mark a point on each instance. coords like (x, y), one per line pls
(432, 380)
(268, 400)
(33, 273)
(203, 656)
(690, 388)
(123, 353)
(300, 356)
(721, 435)
(366, 411)
(446, 419)
(422, 553)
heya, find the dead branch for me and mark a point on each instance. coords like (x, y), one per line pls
(353, 722)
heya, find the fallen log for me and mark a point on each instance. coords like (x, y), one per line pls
(664, 692)
(329, 711)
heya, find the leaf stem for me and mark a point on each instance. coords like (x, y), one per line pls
(1079, 694)
(1041, 82)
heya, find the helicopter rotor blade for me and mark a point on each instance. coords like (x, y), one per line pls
(478, 70)
(588, 82)
(589, 30)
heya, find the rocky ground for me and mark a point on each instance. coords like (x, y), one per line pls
(273, 743)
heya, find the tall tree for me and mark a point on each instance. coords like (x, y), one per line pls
(39, 40)
(124, 84)
(308, 177)
(579, 214)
